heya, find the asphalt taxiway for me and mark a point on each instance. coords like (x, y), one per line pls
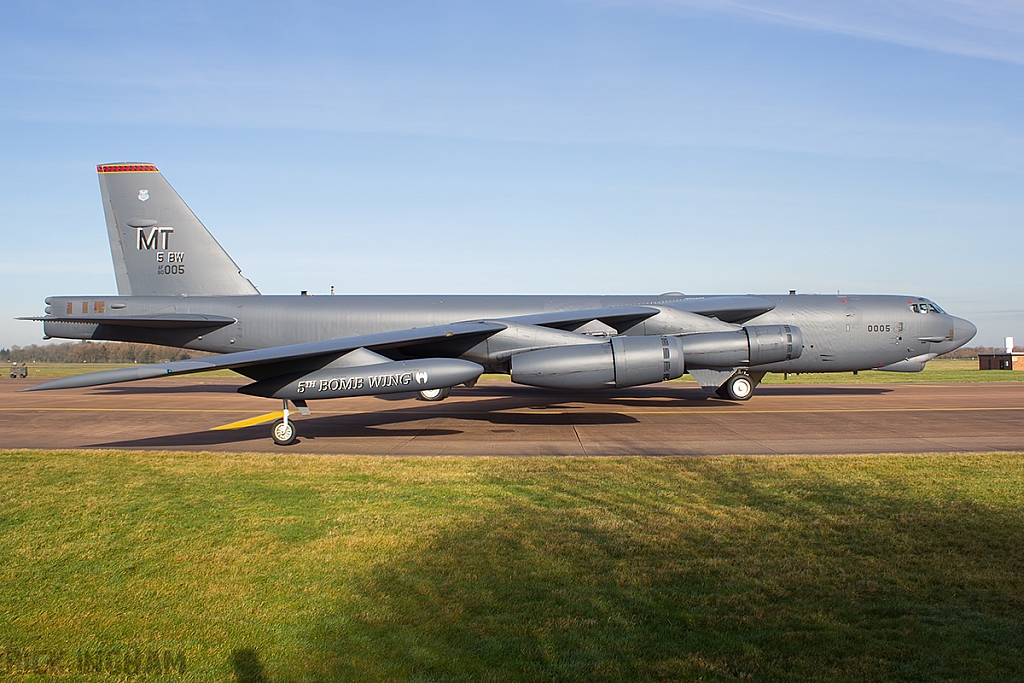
(498, 418)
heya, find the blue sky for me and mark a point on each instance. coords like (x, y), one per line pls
(555, 147)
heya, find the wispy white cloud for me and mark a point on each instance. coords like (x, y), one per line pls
(649, 108)
(990, 29)
(625, 80)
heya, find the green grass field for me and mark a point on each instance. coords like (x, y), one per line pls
(938, 370)
(295, 568)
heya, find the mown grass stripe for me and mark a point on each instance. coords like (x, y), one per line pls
(314, 568)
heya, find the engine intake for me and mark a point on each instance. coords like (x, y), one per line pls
(618, 362)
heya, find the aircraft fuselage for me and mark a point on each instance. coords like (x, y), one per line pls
(840, 332)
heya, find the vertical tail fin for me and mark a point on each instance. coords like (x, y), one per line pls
(158, 245)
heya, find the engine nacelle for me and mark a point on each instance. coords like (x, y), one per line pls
(774, 343)
(391, 377)
(753, 345)
(618, 362)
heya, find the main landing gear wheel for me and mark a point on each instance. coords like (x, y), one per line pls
(739, 387)
(435, 394)
(283, 432)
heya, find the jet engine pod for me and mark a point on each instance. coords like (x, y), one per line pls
(752, 345)
(619, 362)
(774, 343)
(391, 377)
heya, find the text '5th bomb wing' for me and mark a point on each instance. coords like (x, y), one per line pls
(290, 371)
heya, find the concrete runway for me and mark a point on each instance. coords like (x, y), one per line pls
(502, 419)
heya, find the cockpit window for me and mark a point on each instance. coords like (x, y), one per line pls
(925, 307)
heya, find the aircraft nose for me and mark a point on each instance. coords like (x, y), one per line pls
(963, 331)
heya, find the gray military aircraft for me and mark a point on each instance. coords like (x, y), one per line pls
(178, 287)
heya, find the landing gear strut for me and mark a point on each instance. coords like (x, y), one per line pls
(739, 387)
(283, 432)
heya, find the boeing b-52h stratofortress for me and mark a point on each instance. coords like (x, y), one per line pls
(178, 287)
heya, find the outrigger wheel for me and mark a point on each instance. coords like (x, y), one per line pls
(283, 432)
(435, 394)
(739, 387)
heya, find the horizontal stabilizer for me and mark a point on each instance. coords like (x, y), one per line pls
(170, 321)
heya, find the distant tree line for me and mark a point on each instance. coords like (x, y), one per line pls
(972, 352)
(95, 352)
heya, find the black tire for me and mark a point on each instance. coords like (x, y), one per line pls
(435, 394)
(282, 435)
(739, 387)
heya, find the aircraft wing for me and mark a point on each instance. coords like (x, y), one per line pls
(731, 309)
(262, 363)
(619, 317)
(441, 340)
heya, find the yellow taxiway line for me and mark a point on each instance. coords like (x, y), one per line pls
(258, 420)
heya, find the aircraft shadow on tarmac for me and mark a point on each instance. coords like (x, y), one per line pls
(490, 404)
(310, 429)
(822, 390)
(380, 424)
(686, 392)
